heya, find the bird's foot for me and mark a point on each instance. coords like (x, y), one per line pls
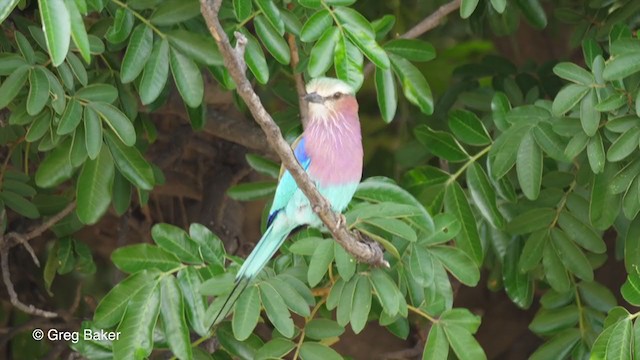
(341, 220)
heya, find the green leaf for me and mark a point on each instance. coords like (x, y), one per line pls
(483, 195)
(38, 91)
(197, 47)
(12, 85)
(77, 68)
(93, 189)
(19, 204)
(519, 286)
(386, 94)
(121, 194)
(550, 321)
(568, 97)
(273, 42)
(441, 144)
(315, 26)
(458, 263)
(263, 165)
(294, 300)
(348, 62)
(421, 265)
(219, 284)
(550, 142)
(531, 220)
(395, 227)
(176, 241)
(529, 167)
(78, 31)
(463, 344)
(112, 306)
(345, 263)
(175, 11)
(559, 346)
(137, 54)
(604, 205)
(632, 246)
(386, 291)
(572, 257)
(533, 250)
(611, 103)
(589, 119)
(10, 62)
(66, 258)
(317, 351)
(368, 45)
(436, 347)
(468, 240)
(172, 313)
(271, 11)
(98, 92)
(622, 66)
(155, 73)
(6, 7)
(533, 12)
(254, 56)
(574, 73)
(447, 227)
(70, 118)
(503, 153)
(414, 85)
(322, 53)
(310, 4)
(55, 168)
(362, 298)
(345, 301)
(461, 317)
(597, 296)
(246, 313)
(276, 348)
(131, 164)
(631, 288)
(624, 145)
(137, 257)
(467, 7)
(251, 191)
(93, 135)
(411, 49)
(56, 24)
(137, 324)
(581, 233)
(39, 127)
(122, 24)
(319, 263)
(117, 121)
(467, 127)
(595, 152)
(242, 9)
(188, 78)
(347, 15)
(190, 282)
(276, 310)
(319, 329)
(555, 272)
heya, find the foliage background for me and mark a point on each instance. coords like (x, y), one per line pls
(501, 158)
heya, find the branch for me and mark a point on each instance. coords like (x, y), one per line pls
(425, 25)
(12, 239)
(368, 252)
(295, 60)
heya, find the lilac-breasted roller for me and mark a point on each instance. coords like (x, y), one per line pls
(330, 151)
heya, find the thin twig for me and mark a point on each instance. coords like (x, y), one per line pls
(13, 239)
(13, 296)
(295, 60)
(367, 252)
(425, 25)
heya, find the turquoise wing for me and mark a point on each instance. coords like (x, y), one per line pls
(287, 185)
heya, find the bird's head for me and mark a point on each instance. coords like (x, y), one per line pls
(330, 99)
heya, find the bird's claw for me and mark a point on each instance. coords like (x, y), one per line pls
(341, 220)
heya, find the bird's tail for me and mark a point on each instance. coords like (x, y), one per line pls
(270, 242)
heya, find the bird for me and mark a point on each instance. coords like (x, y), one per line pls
(330, 151)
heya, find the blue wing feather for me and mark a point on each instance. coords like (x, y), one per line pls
(287, 185)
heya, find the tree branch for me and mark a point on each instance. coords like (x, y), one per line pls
(12, 239)
(368, 252)
(425, 25)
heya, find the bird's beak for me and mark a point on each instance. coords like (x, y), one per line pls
(313, 98)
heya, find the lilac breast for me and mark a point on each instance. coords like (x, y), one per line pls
(335, 149)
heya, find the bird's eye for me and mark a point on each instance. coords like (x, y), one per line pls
(337, 95)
